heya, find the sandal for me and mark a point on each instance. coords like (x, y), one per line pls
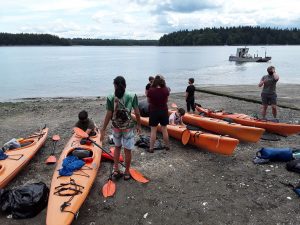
(117, 174)
(150, 150)
(127, 176)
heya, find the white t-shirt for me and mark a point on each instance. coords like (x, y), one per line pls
(173, 118)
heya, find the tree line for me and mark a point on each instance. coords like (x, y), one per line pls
(242, 35)
(7, 39)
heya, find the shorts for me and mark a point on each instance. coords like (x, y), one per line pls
(159, 117)
(269, 99)
(123, 138)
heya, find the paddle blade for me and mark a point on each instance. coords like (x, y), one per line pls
(109, 189)
(138, 176)
(106, 156)
(51, 159)
(173, 105)
(80, 132)
(56, 137)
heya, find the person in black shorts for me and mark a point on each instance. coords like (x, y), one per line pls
(158, 96)
(151, 79)
(189, 96)
(268, 94)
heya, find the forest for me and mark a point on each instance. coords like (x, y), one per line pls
(7, 39)
(243, 35)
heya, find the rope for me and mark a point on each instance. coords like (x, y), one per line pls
(76, 190)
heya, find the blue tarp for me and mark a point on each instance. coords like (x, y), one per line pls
(70, 164)
(2, 155)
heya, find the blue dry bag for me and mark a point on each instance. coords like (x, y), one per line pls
(275, 154)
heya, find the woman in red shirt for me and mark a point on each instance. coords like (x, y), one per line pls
(158, 110)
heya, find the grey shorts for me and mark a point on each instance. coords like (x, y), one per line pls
(124, 138)
(269, 99)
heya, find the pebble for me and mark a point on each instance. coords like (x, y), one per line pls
(145, 215)
(267, 170)
(204, 203)
(289, 198)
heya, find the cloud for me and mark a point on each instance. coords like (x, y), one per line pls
(141, 19)
(187, 6)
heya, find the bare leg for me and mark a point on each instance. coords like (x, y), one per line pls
(264, 111)
(127, 160)
(274, 111)
(165, 135)
(117, 157)
(153, 137)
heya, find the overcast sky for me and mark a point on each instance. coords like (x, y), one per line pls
(141, 19)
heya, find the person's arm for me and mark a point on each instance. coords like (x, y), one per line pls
(107, 118)
(276, 76)
(138, 120)
(261, 83)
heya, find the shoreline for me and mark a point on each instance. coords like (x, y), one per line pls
(288, 95)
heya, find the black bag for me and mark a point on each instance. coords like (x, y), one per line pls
(26, 201)
(144, 142)
(293, 166)
(144, 108)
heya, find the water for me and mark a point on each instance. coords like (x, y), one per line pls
(29, 72)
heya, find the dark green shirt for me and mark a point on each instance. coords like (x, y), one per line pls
(84, 125)
(129, 100)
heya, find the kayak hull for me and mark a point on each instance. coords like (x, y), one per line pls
(84, 177)
(178, 132)
(9, 167)
(235, 130)
(283, 129)
(211, 142)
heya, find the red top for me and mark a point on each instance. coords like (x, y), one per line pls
(158, 98)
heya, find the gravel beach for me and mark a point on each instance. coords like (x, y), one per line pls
(188, 185)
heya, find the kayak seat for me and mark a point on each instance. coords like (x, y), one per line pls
(81, 153)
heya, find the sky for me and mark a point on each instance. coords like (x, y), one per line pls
(141, 19)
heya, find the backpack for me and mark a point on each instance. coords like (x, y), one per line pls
(121, 116)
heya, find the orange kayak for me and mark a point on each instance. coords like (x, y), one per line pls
(284, 129)
(67, 193)
(235, 130)
(211, 142)
(19, 157)
(178, 132)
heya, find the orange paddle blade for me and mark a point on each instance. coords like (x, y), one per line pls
(138, 176)
(173, 105)
(51, 159)
(80, 132)
(109, 189)
(56, 137)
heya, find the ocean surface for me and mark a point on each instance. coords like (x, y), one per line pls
(34, 72)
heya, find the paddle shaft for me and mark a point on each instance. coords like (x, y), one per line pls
(53, 147)
(105, 151)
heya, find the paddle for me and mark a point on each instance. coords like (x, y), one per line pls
(109, 187)
(52, 159)
(134, 173)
